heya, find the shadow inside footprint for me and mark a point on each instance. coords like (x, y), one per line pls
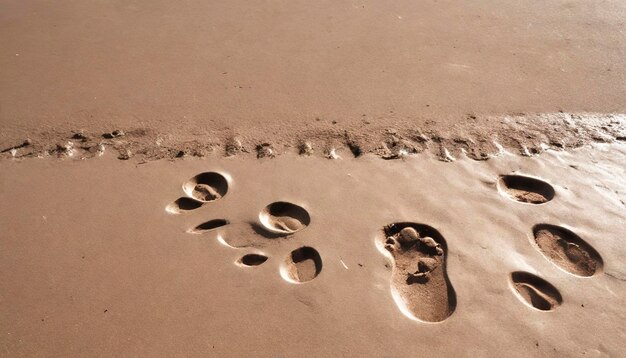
(526, 189)
(209, 226)
(284, 218)
(567, 250)
(252, 260)
(535, 291)
(419, 283)
(302, 265)
(206, 187)
(183, 204)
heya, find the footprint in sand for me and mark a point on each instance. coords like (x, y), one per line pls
(209, 226)
(566, 250)
(201, 189)
(419, 282)
(251, 260)
(535, 291)
(525, 189)
(302, 265)
(284, 218)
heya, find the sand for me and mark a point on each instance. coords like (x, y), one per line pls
(312, 179)
(93, 264)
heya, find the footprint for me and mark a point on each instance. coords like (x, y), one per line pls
(209, 226)
(302, 265)
(567, 250)
(284, 218)
(252, 260)
(526, 189)
(183, 204)
(535, 291)
(419, 283)
(206, 187)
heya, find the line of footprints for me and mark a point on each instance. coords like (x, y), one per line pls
(419, 284)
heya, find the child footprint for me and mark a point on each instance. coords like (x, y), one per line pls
(566, 250)
(419, 282)
(535, 291)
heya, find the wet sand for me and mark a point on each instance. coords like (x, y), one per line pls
(94, 264)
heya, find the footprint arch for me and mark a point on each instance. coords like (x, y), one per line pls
(566, 250)
(206, 187)
(535, 291)
(284, 218)
(525, 189)
(419, 282)
(302, 265)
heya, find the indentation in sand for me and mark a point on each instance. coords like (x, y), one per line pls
(252, 260)
(535, 291)
(302, 265)
(209, 226)
(206, 187)
(567, 250)
(182, 205)
(526, 189)
(419, 282)
(284, 218)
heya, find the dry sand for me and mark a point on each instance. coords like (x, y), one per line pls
(297, 178)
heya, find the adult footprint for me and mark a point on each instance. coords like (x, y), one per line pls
(535, 291)
(419, 282)
(284, 218)
(302, 265)
(566, 250)
(526, 189)
(252, 260)
(206, 187)
(183, 204)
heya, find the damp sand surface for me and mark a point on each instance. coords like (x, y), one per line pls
(118, 274)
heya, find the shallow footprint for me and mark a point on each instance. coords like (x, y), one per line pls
(206, 187)
(535, 291)
(252, 260)
(183, 204)
(284, 218)
(567, 250)
(302, 265)
(419, 283)
(526, 189)
(209, 226)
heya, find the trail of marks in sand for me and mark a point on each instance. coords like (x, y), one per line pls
(302, 265)
(535, 291)
(419, 282)
(199, 190)
(566, 250)
(526, 189)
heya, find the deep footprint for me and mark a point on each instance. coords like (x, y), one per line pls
(526, 189)
(419, 283)
(567, 250)
(209, 226)
(302, 265)
(535, 291)
(284, 218)
(183, 204)
(206, 187)
(252, 260)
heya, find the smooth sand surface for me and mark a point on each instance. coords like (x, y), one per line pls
(274, 69)
(94, 265)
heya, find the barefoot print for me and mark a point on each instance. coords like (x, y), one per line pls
(419, 282)
(525, 189)
(566, 250)
(535, 291)
(284, 218)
